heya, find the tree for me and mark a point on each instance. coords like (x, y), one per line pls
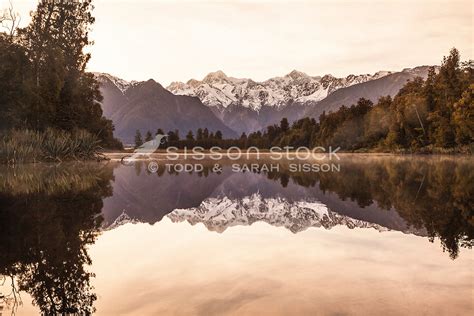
(284, 125)
(449, 87)
(377, 122)
(138, 139)
(463, 117)
(430, 89)
(9, 21)
(148, 136)
(273, 132)
(218, 135)
(190, 136)
(15, 85)
(160, 132)
(66, 97)
(199, 134)
(450, 76)
(173, 136)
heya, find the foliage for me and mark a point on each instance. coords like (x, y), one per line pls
(148, 136)
(433, 115)
(434, 197)
(42, 74)
(20, 146)
(47, 223)
(138, 139)
(463, 117)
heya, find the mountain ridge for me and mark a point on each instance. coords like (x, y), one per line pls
(220, 213)
(372, 90)
(245, 105)
(219, 90)
(147, 106)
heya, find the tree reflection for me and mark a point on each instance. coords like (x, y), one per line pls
(434, 194)
(49, 216)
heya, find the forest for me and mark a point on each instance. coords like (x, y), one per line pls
(44, 84)
(435, 115)
(50, 106)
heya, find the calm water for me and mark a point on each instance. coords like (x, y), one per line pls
(377, 235)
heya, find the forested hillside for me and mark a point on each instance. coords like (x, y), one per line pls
(432, 115)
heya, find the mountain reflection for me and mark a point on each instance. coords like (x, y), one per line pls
(49, 215)
(430, 193)
(218, 214)
(428, 196)
(435, 194)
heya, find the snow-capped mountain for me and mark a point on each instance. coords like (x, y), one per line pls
(147, 106)
(123, 219)
(121, 84)
(219, 90)
(244, 105)
(228, 199)
(220, 213)
(388, 85)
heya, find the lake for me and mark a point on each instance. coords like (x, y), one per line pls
(364, 235)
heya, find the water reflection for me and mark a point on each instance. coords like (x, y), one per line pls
(51, 214)
(431, 197)
(430, 193)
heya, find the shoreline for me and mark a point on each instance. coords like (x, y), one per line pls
(116, 156)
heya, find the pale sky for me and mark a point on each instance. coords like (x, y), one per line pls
(176, 40)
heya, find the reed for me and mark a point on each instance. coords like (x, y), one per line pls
(23, 146)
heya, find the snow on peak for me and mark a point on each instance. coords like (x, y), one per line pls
(121, 84)
(219, 90)
(382, 73)
(420, 70)
(220, 213)
(213, 77)
(295, 75)
(121, 220)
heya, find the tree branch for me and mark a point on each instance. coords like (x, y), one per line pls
(10, 20)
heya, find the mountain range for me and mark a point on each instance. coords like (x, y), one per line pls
(235, 106)
(147, 106)
(219, 90)
(224, 200)
(220, 213)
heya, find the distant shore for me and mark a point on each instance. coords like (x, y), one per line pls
(161, 155)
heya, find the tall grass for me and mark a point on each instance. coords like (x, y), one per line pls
(21, 146)
(52, 179)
